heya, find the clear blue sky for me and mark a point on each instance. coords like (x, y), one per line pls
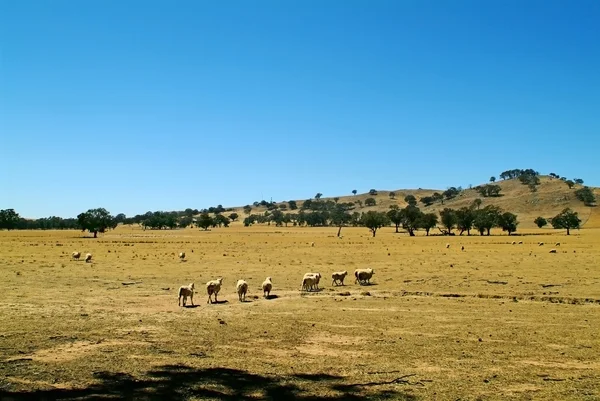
(163, 105)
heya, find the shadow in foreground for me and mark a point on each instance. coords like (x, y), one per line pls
(179, 382)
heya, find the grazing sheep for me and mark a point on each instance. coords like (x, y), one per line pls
(213, 287)
(308, 283)
(514, 243)
(181, 256)
(363, 276)
(88, 257)
(557, 244)
(338, 276)
(447, 246)
(267, 285)
(315, 282)
(242, 288)
(552, 250)
(312, 244)
(462, 248)
(186, 291)
(76, 255)
(520, 242)
(540, 243)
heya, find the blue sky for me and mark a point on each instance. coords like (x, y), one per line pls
(160, 105)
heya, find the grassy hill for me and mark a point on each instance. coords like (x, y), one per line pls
(552, 196)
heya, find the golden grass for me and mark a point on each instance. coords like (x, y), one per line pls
(495, 321)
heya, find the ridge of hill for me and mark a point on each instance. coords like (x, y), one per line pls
(551, 197)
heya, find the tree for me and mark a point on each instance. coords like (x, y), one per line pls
(428, 221)
(508, 222)
(293, 205)
(9, 219)
(411, 217)
(569, 183)
(204, 221)
(489, 190)
(492, 179)
(370, 202)
(354, 192)
(318, 196)
(372, 192)
(578, 181)
(120, 218)
(336, 199)
(277, 217)
(566, 219)
(359, 203)
(486, 218)
(451, 193)
(392, 195)
(411, 200)
(464, 220)
(476, 204)
(438, 197)
(185, 221)
(540, 222)
(395, 216)
(95, 221)
(586, 195)
(449, 220)
(247, 209)
(374, 221)
(340, 217)
(427, 200)
(234, 216)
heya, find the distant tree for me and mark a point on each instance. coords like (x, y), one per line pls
(586, 195)
(464, 220)
(354, 191)
(234, 216)
(307, 204)
(411, 200)
(489, 190)
(578, 181)
(570, 183)
(540, 222)
(277, 217)
(372, 192)
(392, 195)
(256, 204)
(340, 217)
(374, 221)
(247, 209)
(318, 195)
(120, 218)
(492, 179)
(451, 193)
(9, 219)
(370, 202)
(395, 216)
(336, 199)
(448, 219)
(438, 197)
(293, 205)
(428, 221)
(95, 221)
(567, 219)
(287, 219)
(554, 175)
(204, 221)
(563, 178)
(427, 200)
(476, 204)
(508, 222)
(486, 218)
(411, 218)
(185, 221)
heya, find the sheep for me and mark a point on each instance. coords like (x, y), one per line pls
(186, 291)
(181, 256)
(520, 242)
(213, 287)
(462, 248)
(88, 257)
(552, 250)
(514, 243)
(267, 285)
(338, 276)
(312, 279)
(307, 283)
(447, 246)
(363, 276)
(557, 244)
(242, 288)
(76, 255)
(312, 244)
(317, 277)
(540, 243)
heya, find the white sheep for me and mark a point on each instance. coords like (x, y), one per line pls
(186, 291)
(520, 242)
(447, 246)
(552, 250)
(307, 283)
(181, 256)
(540, 243)
(267, 285)
(242, 288)
(514, 243)
(338, 276)
(76, 255)
(88, 257)
(213, 287)
(363, 276)
(557, 244)
(317, 278)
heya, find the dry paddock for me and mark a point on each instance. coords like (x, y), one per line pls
(493, 322)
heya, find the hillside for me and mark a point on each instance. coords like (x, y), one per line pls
(552, 196)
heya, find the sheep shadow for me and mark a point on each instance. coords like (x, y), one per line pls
(271, 296)
(191, 306)
(181, 382)
(219, 302)
(367, 284)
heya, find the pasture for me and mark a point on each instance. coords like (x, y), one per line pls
(495, 321)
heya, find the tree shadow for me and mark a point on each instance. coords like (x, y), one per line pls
(180, 382)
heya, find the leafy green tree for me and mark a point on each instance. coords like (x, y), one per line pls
(374, 221)
(578, 181)
(567, 219)
(449, 219)
(120, 218)
(427, 200)
(293, 205)
(204, 221)
(451, 193)
(411, 217)
(340, 217)
(247, 209)
(464, 220)
(234, 216)
(277, 217)
(476, 204)
(392, 195)
(540, 222)
(586, 195)
(486, 218)
(9, 219)
(395, 216)
(570, 183)
(185, 221)
(438, 197)
(336, 199)
(355, 219)
(492, 179)
(318, 196)
(372, 192)
(508, 222)
(354, 192)
(428, 221)
(370, 202)
(95, 221)
(411, 200)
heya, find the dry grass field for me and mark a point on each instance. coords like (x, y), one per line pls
(493, 322)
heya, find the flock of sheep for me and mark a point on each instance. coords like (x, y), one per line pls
(310, 282)
(77, 255)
